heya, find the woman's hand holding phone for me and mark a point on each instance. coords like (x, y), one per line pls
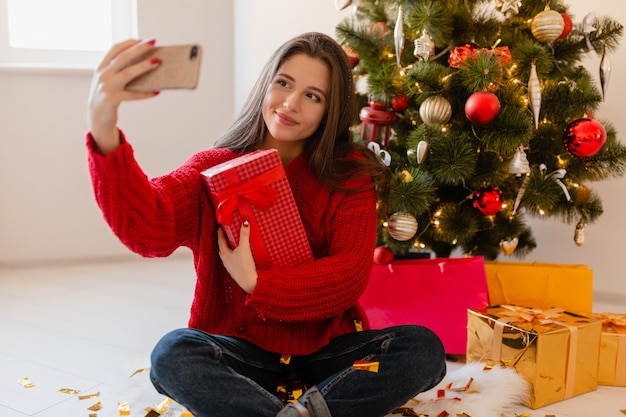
(121, 64)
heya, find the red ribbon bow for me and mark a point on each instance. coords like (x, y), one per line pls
(261, 197)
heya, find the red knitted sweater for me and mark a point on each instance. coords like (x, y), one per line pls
(292, 310)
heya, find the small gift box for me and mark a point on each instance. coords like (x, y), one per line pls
(555, 351)
(254, 187)
(540, 285)
(612, 362)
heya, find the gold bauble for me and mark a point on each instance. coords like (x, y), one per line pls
(436, 109)
(547, 26)
(402, 226)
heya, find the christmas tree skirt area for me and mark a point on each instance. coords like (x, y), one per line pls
(468, 389)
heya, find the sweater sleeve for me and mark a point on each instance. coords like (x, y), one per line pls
(331, 284)
(152, 217)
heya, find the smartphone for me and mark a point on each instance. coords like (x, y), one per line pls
(179, 68)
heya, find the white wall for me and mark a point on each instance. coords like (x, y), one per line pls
(47, 210)
(46, 207)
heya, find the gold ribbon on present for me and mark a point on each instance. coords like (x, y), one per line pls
(616, 324)
(516, 314)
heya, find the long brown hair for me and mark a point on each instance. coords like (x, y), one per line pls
(331, 144)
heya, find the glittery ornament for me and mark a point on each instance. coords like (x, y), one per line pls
(534, 93)
(584, 137)
(605, 72)
(402, 226)
(579, 233)
(510, 7)
(398, 36)
(547, 26)
(488, 200)
(424, 46)
(509, 246)
(460, 54)
(400, 103)
(436, 109)
(519, 163)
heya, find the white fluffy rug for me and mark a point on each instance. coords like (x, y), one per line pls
(473, 391)
(469, 390)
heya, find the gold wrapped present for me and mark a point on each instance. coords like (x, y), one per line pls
(555, 351)
(540, 285)
(612, 362)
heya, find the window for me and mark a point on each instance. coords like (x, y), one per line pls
(63, 32)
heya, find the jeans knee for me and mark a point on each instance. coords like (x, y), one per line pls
(426, 351)
(168, 351)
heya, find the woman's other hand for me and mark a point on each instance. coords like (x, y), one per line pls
(120, 65)
(239, 261)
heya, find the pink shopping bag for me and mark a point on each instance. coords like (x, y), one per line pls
(435, 293)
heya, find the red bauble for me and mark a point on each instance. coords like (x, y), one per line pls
(383, 255)
(567, 26)
(352, 54)
(584, 137)
(488, 200)
(400, 103)
(482, 107)
(461, 53)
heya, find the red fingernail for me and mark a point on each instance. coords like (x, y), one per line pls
(156, 93)
(155, 61)
(246, 223)
(151, 42)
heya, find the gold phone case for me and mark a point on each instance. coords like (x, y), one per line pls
(179, 68)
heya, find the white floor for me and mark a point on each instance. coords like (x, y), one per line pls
(88, 327)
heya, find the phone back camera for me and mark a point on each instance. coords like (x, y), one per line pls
(193, 53)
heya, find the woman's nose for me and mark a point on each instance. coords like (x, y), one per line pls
(292, 102)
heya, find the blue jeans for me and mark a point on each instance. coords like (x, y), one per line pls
(220, 376)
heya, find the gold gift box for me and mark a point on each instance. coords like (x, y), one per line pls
(555, 351)
(540, 285)
(612, 362)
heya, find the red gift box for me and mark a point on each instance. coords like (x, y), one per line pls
(254, 187)
(435, 293)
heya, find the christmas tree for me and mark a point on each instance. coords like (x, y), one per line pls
(485, 115)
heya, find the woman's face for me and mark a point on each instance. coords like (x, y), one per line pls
(296, 102)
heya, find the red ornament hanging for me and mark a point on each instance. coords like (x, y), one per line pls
(482, 107)
(376, 124)
(488, 200)
(400, 103)
(584, 137)
(383, 255)
(352, 54)
(567, 26)
(459, 54)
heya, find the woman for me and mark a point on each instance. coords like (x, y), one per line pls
(255, 337)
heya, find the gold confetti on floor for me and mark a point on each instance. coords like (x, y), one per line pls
(69, 391)
(26, 383)
(87, 396)
(123, 408)
(138, 371)
(97, 406)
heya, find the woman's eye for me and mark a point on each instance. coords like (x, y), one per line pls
(314, 97)
(282, 83)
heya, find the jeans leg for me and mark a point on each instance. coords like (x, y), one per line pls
(411, 360)
(216, 376)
